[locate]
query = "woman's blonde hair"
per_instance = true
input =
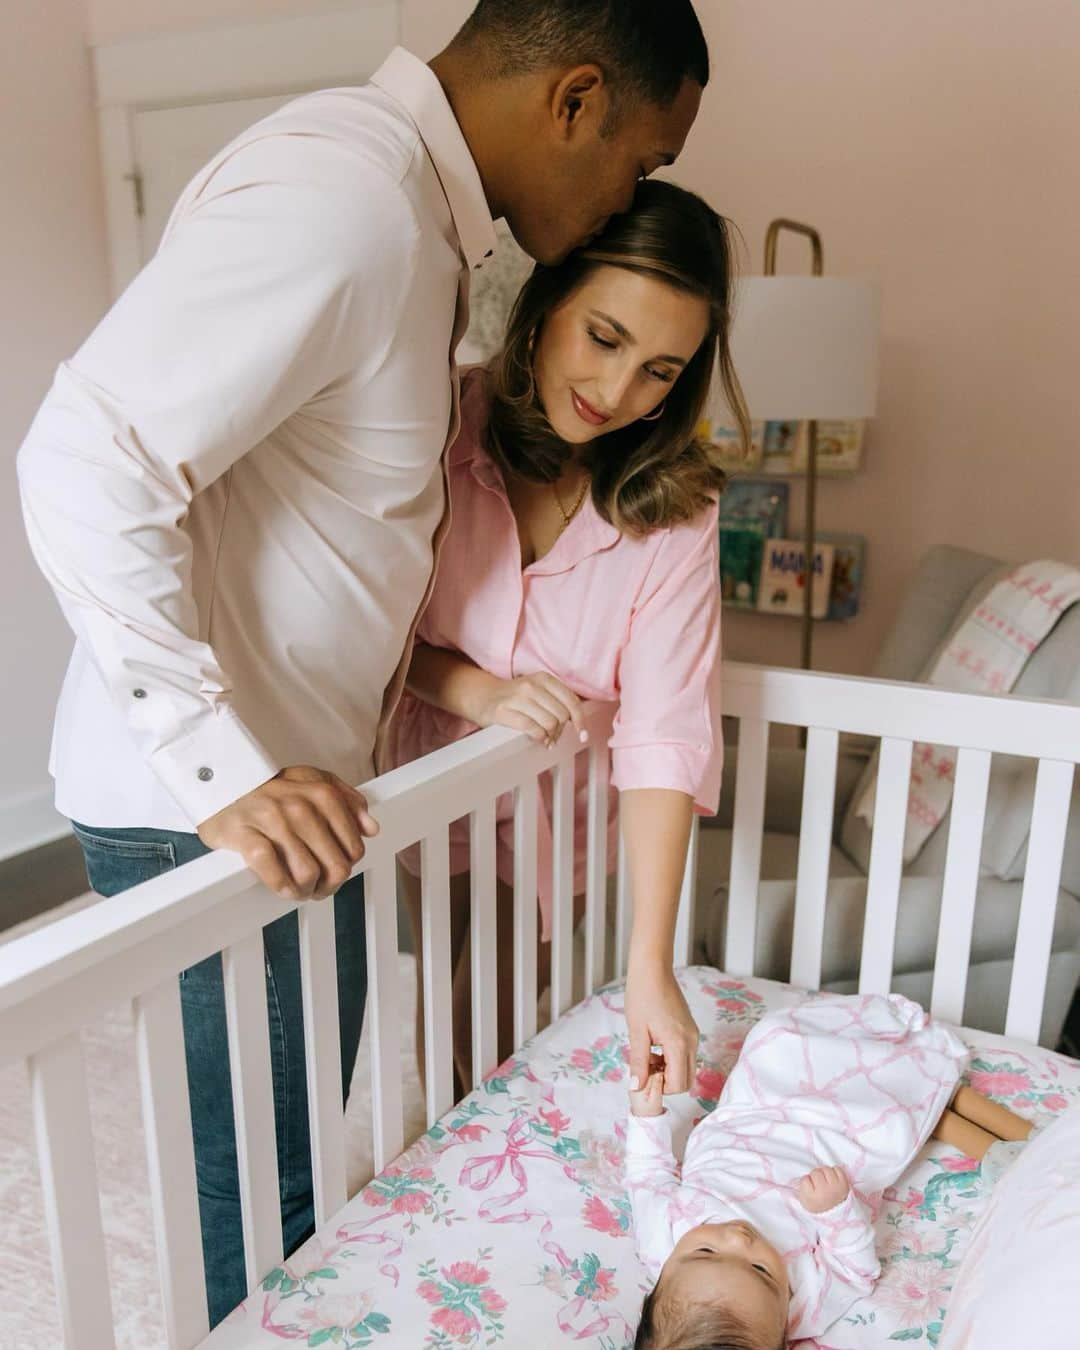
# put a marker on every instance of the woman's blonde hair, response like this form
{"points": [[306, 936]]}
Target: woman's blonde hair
{"points": [[650, 474]]}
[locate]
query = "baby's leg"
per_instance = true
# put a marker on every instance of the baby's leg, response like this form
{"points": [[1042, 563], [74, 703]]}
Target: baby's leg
{"points": [[981, 1111], [962, 1134]]}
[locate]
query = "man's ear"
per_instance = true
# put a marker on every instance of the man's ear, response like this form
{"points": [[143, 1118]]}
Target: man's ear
{"points": [[580, 100]]}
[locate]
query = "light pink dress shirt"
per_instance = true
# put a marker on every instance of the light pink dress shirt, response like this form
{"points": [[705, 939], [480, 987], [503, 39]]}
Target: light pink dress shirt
{"points": [[615, 617], [236, 487]]}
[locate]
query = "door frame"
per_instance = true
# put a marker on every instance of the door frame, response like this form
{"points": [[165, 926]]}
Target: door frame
{"points": [[211, 65]]}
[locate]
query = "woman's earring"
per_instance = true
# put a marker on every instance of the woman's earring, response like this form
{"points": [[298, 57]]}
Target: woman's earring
{"points": [[656, 416]]}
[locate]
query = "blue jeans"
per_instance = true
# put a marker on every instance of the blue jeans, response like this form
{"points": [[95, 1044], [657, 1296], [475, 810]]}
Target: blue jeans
{"points": [[119, 859]]}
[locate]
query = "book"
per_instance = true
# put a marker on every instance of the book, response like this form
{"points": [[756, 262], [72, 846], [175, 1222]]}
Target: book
{"points": [[783, 445], [757, 500], [783, 576], [742, 547], [839, 446], [849, 560], [726, 440]]}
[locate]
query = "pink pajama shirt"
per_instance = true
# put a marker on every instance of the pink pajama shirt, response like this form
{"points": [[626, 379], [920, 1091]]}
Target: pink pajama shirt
{"points": [[618, 618]]}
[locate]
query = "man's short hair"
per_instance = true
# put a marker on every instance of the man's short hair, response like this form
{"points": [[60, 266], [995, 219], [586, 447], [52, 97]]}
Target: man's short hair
{"points": [[645, 48]]}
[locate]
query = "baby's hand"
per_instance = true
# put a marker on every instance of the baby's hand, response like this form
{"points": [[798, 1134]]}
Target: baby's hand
{"points": [[650, 1100], [823, 1189]]}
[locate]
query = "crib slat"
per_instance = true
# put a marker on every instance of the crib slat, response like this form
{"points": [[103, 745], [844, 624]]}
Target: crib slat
{"points": [[322, 1055], [886, 866], [159, 1048], [624, 905], [815, 842], [253, 1104], [437, 991], [596, 877], [384, 1010], [485, 953], [65, 1152], [966, 822], [746, 842], [525, 808], [684, 922], [562, 899], [1038, 903]]}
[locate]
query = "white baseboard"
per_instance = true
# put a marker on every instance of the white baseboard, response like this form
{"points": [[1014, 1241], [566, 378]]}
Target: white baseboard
{"points": [[28, 821]]}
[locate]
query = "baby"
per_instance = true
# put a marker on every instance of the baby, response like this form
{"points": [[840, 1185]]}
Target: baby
{"points": [[766, 1234]]}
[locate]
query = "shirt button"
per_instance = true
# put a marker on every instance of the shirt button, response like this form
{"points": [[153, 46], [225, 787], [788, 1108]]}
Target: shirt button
{"points": [[205, 774], [138, 693]]}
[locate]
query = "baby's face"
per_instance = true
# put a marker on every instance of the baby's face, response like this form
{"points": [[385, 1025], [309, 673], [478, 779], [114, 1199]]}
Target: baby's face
{"points": [[731, 1263]]}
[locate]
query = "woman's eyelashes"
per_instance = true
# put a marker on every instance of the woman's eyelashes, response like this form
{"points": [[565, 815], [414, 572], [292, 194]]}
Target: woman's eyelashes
{"points": [[664, 376]]}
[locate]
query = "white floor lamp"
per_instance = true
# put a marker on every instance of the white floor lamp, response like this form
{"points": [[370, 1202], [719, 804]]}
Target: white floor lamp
{"points": [[806, 349]]}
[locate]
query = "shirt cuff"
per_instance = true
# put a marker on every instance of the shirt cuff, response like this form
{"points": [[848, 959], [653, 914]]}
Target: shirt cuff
{"points": [[680, 768], [649, 1136], [845, 1225], [212, 768]]}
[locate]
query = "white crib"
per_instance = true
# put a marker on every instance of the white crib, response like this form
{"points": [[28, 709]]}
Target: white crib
{"points": [[132, 947]]}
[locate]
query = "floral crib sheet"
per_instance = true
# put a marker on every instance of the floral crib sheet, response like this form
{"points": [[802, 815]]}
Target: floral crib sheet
{"points": [[507, 1223]]}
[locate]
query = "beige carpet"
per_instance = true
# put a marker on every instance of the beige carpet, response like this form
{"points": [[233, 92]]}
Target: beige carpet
{"points": [[29, 1319]]}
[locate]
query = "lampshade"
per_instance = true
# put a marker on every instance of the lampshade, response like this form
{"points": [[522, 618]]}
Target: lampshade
{"points": [[806, 347]]}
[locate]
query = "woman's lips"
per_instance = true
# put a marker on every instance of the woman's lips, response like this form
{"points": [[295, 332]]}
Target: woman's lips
{"points": [[587, 412]]}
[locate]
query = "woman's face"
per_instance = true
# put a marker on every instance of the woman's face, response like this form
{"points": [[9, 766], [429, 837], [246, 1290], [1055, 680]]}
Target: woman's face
{"points": [[610, 353]]}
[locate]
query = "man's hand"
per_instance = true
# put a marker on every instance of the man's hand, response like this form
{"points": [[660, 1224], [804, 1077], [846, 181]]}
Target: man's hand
{"points": [[823, 1189], [301, 833]]}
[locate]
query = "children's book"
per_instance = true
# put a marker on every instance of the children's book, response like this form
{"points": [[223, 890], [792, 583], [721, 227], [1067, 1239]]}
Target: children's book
{"points": [[849, 562], [742, 545], [783, 446], [757, 500], [726, 440], [783, 576]]}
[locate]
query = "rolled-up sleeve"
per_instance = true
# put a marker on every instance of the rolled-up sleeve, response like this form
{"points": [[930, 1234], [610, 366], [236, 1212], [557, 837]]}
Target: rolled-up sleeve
{"points": [[667, 731], [261, 296]]}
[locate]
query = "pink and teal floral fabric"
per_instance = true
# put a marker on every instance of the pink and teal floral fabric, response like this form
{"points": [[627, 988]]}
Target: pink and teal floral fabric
{"points": [[508, 1224]]}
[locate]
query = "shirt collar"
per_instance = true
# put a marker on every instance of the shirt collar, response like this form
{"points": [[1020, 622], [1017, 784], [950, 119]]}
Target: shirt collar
{"points": [[414, 85]]}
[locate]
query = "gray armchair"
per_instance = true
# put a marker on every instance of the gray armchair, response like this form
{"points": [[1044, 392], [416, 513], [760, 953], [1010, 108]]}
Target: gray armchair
{"points": [[946, 586]]}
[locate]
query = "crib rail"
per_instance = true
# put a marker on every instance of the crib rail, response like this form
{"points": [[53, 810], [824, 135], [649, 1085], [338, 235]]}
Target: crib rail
{"points": [[132, 947], [56, 981], [900, 714]]}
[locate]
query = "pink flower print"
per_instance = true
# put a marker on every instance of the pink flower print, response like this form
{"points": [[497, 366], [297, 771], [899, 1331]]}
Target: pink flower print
{"points": [[582, 1059], [409, 1202], [421, 1174], [605, 1286], [732, 1005], [600, 1218], [999, 1082], [1054, 1101], [459, 1325], [960, 1164], [375, 1197], [554, 1281], [918, 1291], [555, 1120], [471, 1134], [613, 1076], [601, 1167], [429, 1291], [467, 1272], [309, 1260], [709, 1084], [331, 1311], [493, 1303]]}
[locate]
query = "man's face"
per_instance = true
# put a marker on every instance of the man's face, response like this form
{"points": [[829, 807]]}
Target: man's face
{"points": [[575, 178]]}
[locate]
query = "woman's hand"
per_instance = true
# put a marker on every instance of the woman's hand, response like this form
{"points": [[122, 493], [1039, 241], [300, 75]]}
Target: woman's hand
{"points": [[657, 1014], [539, 705]]}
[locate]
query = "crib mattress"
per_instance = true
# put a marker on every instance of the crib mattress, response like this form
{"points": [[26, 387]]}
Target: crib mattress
{"points": [[507, 1223]]}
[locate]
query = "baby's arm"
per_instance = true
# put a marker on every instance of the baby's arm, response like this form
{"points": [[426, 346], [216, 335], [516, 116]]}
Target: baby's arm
{"points": [[652, 1173], [845, 1234]]}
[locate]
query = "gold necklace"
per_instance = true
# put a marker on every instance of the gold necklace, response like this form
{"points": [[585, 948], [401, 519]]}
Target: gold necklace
{"points": [[568, 516]]}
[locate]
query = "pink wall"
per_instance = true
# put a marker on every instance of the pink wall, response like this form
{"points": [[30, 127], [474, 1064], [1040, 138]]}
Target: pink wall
{"points": [[934, 146], [53, 283]]}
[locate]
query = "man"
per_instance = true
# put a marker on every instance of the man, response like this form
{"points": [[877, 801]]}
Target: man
{"points": [[235, 486]]}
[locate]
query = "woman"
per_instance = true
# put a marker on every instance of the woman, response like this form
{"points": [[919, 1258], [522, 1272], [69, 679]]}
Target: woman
{"points": [[582, 563]]}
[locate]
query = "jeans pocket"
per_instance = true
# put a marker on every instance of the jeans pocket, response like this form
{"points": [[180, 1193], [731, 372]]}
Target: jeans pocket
{"points": [[115, 863]]}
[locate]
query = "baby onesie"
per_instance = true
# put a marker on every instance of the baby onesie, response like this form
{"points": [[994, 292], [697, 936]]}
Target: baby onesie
{"points": [[835, 1081]]}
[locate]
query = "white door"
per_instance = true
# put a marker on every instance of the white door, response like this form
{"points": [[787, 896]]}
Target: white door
{"points": [[172, 145]]}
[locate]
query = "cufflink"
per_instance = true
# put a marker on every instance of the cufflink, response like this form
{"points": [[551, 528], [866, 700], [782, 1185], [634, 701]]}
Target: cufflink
{"points": [[205, 774]]}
